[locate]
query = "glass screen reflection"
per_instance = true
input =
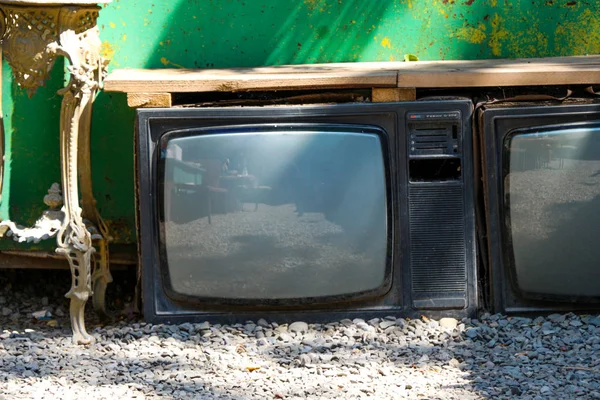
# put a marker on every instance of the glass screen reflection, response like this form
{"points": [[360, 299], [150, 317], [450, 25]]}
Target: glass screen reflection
{"points": [[275, 215], [552, 194]]}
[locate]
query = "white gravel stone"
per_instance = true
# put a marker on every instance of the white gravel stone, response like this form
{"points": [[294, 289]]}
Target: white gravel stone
{"points": [[448, 323], [298, 327]]}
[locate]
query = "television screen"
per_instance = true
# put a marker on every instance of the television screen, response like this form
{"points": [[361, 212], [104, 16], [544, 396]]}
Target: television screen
{"points": [[552, 201], [274, 213]]}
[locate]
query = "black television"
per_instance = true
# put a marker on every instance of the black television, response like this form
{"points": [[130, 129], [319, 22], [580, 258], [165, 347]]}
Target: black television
{"points": [[307, 212], [542, 189]]}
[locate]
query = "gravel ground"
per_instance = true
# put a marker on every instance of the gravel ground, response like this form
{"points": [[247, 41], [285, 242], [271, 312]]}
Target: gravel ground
{"points": [[556, 357]]}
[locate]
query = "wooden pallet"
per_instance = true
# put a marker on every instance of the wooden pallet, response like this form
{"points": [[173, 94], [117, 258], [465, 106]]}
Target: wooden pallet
{"points": [[389, 81]]}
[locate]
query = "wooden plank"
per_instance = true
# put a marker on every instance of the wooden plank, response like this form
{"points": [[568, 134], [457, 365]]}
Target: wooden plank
{"points": [[492, 73], [321, 76], [386, 95], [422, 74], [149, 100]]}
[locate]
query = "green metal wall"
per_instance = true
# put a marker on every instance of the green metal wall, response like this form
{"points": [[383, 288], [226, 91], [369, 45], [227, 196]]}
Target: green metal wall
{"points": [[245, 33]]}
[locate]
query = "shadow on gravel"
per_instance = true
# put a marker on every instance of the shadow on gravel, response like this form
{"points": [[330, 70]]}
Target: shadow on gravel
{"points": [[495, 357], [92, 373]]}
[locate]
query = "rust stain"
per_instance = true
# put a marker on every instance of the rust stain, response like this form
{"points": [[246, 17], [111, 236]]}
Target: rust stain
{"points": [[120, 230], [311, 5]]}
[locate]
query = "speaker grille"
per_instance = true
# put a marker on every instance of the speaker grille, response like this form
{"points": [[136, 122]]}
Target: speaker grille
{"points": [[437, 238]]}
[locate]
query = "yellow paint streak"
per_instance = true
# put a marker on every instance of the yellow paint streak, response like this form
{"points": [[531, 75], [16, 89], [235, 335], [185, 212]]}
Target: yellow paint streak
{"points": [[472, 35], [112, 25], [498, 36], [166, 63], [124, 37], [493, 3], [386, 43], [409, 3], [580, 36], [107, 51]]}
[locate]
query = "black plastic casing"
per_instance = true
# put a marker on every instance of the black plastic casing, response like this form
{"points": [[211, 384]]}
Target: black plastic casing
{"points": [[495, 124], [431, 224]]}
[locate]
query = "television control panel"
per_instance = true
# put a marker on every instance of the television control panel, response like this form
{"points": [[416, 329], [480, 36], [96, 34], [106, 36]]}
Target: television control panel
{"points": [[434, 134]]}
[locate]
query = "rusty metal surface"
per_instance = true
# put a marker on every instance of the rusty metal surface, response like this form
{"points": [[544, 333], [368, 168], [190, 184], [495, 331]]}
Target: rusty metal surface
{"points": [[228, 33]]}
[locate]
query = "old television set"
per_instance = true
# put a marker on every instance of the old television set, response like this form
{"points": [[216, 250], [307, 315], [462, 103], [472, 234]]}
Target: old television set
{"points": [[542, 180], [314, 212]]}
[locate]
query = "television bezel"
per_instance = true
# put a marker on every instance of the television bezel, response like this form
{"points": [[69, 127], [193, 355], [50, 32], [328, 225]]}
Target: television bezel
{"points": [[497, 125], [302, 128]]}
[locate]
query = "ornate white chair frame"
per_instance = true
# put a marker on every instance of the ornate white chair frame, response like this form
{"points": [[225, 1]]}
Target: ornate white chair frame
{"points": [[34, 34]]}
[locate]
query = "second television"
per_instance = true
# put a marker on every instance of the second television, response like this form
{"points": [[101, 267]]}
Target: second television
{"points": [[542, 174]]}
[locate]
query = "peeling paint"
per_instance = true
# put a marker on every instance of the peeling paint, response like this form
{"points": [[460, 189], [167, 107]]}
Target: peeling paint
{"points": [[471, 34], [498, 36], [581, 36]]}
